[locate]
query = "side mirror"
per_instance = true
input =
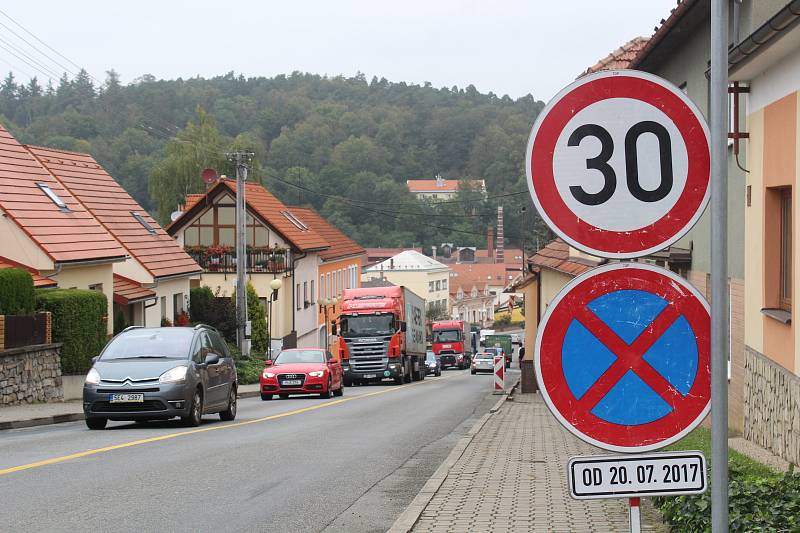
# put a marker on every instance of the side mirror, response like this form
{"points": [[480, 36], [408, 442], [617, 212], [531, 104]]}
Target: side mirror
{"points": [[268, 362], [212, 358], [95, 358], [333, 327]]}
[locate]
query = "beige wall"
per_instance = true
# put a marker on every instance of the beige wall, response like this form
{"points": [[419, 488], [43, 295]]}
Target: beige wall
{"points": [[82, 276], [15, 244], [417, 281]]}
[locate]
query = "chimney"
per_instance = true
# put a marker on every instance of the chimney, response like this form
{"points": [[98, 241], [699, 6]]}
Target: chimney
{"points": [[439, 180], [433, 249], [500, 256], [391, 263], [490, 242]]}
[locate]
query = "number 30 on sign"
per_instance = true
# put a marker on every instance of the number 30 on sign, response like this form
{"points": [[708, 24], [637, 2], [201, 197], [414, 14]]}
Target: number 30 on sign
{"points": [[618, 164]]}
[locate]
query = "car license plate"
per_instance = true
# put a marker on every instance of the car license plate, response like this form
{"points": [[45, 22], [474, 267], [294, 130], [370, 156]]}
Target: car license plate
{"points": [[291, 382], [125, 398], [370, 376]]}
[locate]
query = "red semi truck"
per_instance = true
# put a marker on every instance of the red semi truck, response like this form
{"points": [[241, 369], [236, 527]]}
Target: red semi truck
{"points": [[381, 335], [452, 343]]}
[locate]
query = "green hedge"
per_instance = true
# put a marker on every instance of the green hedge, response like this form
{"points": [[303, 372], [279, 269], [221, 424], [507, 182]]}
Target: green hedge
{"points": [[16, 292], [78, 321]]}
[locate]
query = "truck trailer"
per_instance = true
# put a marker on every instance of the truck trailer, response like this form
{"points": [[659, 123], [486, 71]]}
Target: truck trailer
{"points": [[381, 334]]}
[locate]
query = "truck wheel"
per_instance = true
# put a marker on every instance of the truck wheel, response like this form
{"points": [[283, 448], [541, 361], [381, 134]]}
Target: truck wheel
{"points": [[347, 382]]}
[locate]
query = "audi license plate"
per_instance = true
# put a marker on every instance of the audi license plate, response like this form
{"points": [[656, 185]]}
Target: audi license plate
{"points": [[370, 376], [125, 398], [291, 382]]}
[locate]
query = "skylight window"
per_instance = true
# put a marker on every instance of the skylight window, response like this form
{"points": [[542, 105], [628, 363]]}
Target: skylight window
{"points": [[150, 229], [294, 220], [53, 196]]}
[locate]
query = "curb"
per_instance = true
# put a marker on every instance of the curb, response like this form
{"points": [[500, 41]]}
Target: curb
{"points": [[74, 417], [408, 518]]}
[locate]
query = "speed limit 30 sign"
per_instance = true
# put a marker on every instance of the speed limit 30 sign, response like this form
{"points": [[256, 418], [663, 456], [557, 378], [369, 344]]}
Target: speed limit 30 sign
{"points": [[618, 164]]}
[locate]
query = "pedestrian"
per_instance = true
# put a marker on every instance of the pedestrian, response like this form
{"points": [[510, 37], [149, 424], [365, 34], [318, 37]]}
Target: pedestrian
{"points": [[521, 355]]}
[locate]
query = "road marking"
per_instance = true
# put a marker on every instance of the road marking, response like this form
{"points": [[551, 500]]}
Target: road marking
{"points": [[139, 442]]}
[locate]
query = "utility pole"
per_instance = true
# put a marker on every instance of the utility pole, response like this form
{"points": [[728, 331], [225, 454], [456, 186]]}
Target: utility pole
{"points": [[241, 161], [719, 266]]}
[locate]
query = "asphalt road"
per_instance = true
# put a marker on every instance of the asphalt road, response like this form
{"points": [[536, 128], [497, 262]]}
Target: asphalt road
{"points": [[350, 464]]}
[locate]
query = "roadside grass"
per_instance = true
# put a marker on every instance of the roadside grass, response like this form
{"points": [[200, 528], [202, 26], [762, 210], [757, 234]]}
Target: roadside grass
{"points": [[760, 498]]}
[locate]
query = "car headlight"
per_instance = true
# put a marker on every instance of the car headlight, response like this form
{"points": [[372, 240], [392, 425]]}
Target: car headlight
{"points": [[268, 374], [317, 373], [174, 375], [93, 377]]}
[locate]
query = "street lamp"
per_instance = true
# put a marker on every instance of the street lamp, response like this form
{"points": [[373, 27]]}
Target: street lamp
{"points": [[275, 285]]}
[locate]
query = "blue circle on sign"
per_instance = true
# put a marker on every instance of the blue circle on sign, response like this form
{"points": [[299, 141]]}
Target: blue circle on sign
{"points": [[631, 401]]}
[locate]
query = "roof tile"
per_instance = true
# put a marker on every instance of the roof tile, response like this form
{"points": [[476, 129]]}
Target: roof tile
{"points": [[128, 291], [30, 209], [340, 244], [38, 279], [112, 206]]}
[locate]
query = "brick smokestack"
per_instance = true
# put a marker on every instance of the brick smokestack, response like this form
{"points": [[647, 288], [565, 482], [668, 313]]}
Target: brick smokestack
{"points": [[433, 249], [500, 256], [490, 242]]}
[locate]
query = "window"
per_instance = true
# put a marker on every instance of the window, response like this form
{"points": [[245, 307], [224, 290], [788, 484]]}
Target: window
{"points": [[786, 250], [305, 292], [96, 287], [444, 284], [294, 220], [328, 285], [140, 219], [430, 286], [298, 297], [312, 300], [53, 196], [217, 226], [177, 305], [438, 285], [163, 307]]}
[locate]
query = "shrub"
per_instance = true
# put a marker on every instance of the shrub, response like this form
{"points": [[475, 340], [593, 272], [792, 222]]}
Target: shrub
{"points": [[205, 307], [248, 369], [119, 321], [503, 320], [79, 322], [259, 337], [16, 292]]}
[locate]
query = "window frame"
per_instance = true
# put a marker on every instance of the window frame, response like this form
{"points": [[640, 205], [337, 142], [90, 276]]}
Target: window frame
{"points": [[785, 251]]}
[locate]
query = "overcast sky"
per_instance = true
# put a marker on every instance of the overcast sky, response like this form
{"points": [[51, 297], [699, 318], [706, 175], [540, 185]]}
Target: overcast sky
{"points": [[512, 47]]}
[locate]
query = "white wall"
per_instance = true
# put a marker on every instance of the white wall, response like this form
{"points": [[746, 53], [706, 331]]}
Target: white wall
{"points": [[305, 318], [166, 290]]}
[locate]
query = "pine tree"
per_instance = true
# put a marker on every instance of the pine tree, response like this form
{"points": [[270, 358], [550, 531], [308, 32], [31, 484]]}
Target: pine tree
{"points": [[259, 337]]}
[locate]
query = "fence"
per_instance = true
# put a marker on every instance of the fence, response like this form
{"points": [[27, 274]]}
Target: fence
{"points": [[24, 330]]}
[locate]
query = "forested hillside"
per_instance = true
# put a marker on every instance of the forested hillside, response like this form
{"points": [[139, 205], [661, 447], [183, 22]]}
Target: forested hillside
{"points": [[344, 145]]}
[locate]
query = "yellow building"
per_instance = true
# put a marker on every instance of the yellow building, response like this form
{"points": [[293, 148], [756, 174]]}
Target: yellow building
{"points": [[425, 277]]}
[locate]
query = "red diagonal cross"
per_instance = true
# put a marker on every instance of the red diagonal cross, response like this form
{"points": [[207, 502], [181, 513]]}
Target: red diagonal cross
{"points": [[629, 356]]}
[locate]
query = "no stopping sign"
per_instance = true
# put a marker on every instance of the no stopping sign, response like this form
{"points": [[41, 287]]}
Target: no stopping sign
{"points": [[618, 164]]}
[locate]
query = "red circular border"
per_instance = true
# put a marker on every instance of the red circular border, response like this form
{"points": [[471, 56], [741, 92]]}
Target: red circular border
{"points": [[660, 231], [554, 381]]}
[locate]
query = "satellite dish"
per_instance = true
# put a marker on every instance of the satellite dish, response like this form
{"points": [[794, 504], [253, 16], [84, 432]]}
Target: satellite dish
{"points": [[209, 175], [174, 216]]}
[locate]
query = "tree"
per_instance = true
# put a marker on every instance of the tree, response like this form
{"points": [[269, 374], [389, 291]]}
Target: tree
{"points": [[436, 311], [259, 337], [194, 148]]}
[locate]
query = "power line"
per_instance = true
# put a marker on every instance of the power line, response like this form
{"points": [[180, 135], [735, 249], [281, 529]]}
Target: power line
{"points": [[32, 59], [26, 61]]}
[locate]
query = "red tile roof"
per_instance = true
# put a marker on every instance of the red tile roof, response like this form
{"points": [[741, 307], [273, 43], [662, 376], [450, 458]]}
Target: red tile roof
{"points": [[110, 204], [263, 204], [192, 199], [480, 274], [619, 58], [662, 30], [64, 236], [38, 280], [416, 186], [340, 244], [128, 291], [555, 256]]}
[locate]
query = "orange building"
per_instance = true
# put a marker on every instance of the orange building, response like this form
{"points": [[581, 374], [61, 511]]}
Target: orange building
{"points": [[339, 268]]}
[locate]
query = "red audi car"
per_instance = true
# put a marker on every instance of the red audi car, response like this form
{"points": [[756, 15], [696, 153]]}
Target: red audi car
{"points": [[302, 371]]}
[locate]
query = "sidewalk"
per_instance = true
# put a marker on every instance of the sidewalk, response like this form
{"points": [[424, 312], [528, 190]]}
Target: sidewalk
{"points": [[512, 477], [39, 414]]}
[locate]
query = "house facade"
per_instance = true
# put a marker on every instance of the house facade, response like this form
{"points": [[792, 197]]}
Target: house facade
{"points": [[339, 268], [767, 62], [48, 230], [280, 245], [426, 277], [151, 286], [473, 303], [440, 189]]}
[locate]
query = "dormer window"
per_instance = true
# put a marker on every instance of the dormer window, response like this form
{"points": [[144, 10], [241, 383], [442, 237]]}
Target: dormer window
{"points": [[150, 229], [53, 196], [294, 220]]}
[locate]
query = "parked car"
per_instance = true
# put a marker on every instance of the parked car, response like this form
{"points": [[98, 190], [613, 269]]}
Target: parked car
{"points": [[501, 352], [483, 362], [160, 373], [302, 371], [432, 364]]}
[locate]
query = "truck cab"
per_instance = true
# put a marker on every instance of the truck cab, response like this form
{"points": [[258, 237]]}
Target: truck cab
{"points": [[451, 342]]}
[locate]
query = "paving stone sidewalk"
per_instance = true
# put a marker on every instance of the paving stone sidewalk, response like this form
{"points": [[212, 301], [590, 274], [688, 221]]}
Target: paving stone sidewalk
{"points": [[512, 477]]}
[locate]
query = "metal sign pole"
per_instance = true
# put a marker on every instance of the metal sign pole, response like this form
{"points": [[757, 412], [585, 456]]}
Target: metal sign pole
{"points": [[636, 518], [719, 266]]}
